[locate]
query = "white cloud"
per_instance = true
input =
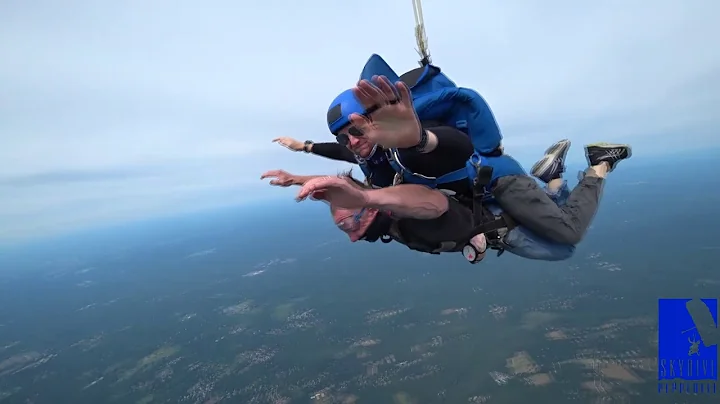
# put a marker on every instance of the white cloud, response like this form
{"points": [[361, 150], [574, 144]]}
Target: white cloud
{"points": [[171, 106]]}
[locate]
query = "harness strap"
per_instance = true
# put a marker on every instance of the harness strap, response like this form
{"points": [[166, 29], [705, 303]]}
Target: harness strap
{"points": [[489, 224], [366, 170], [485, 222], [490, 228], [465, 173]]}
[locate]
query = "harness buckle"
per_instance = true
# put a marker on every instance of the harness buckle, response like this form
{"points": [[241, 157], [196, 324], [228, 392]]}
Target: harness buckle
{"points": [[483, 177]]}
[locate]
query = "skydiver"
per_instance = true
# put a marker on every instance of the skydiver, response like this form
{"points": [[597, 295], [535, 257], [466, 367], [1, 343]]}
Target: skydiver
{"points": [[444, 149], [518, 239], [425, 219], [390, 121]]}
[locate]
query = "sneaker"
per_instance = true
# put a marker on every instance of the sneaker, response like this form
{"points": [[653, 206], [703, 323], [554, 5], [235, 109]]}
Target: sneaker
{"points": [[552, 165], [608, 153]]}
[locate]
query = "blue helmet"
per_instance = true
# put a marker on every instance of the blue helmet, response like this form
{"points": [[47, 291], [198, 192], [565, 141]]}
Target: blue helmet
{"points": [[343, 105]]}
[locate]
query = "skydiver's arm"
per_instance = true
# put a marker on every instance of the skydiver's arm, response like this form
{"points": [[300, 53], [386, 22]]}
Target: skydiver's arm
{"points": [[333, 151], [283, 178], [432, 142], [449, 152], [446, 140], [449, 141], [302, 179], [409, 201]]}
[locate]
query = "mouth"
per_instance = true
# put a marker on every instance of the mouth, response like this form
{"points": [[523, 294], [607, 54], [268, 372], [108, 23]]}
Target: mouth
{"points": [[362, 150]]}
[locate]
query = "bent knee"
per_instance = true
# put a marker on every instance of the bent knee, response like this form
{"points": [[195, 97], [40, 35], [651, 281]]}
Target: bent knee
{"points": [[562, 255], [564, 235], [555, 252]]}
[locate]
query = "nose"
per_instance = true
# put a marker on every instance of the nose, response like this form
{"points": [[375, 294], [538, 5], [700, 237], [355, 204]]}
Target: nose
{"points": [[354, 141]]}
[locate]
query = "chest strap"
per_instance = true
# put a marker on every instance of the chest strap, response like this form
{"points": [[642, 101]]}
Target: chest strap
{"points": [[410, 177]]}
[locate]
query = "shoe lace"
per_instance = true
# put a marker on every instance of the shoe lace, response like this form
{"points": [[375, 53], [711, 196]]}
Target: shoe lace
{"points": [[615, 153]]}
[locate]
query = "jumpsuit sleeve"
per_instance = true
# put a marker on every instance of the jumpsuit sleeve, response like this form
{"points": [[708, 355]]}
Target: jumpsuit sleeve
{"points": [[453, 150], [334, 151], [452, 145]]}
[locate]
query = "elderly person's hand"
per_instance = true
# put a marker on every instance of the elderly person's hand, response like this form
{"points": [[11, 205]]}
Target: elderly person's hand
{"points": [[340, 192], [280, 178]]}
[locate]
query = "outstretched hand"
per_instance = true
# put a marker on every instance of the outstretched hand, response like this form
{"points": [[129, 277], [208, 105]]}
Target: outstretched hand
{"points": [[289, 143], [281, 178], [339, 192], [394, 123]]}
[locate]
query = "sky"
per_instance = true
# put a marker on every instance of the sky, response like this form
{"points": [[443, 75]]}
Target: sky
{"points": [[121, 110]]}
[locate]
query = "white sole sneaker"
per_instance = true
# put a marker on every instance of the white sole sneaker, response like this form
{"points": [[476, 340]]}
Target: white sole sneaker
{"points": [[557, 145], [550, 154]]}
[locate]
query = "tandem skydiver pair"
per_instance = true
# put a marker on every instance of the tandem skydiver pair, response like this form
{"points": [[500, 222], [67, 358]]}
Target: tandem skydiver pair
{"points": [[437, 177]]}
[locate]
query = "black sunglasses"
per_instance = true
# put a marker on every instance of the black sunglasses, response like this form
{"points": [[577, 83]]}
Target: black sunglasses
{"points": [[344, 139]]}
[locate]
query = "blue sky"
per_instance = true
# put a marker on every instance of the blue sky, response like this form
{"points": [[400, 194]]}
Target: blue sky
{"points": [[112, 111]]}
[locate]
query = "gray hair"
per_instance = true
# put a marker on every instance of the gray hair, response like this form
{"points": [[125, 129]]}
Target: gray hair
{"points": [[347, 174]]}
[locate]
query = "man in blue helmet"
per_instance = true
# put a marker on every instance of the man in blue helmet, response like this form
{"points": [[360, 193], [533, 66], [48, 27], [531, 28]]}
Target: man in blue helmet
{"points": [[446, 152], [382, 113], [427, 149]]}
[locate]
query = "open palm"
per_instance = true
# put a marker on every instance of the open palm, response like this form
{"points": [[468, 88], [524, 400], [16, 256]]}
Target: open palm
{"points": [[393, 123]]}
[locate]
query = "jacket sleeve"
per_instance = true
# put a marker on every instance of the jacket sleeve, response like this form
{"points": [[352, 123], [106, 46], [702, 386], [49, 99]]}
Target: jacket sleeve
{"points": [[452, 144], [334, 151], [451, 153]]}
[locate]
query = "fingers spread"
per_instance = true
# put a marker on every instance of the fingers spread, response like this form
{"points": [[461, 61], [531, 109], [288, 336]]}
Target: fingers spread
{"points": [[388, 90], [404, 91], [360, 122], [362, 95], [377, 97], [370, 88], [366, 99]]}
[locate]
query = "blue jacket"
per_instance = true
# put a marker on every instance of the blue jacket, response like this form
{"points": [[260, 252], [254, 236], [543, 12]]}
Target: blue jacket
{"points": [[437, 98]]}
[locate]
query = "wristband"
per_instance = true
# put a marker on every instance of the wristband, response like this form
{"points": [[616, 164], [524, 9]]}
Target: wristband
{"points": [[423, 141], [306, 145]]}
